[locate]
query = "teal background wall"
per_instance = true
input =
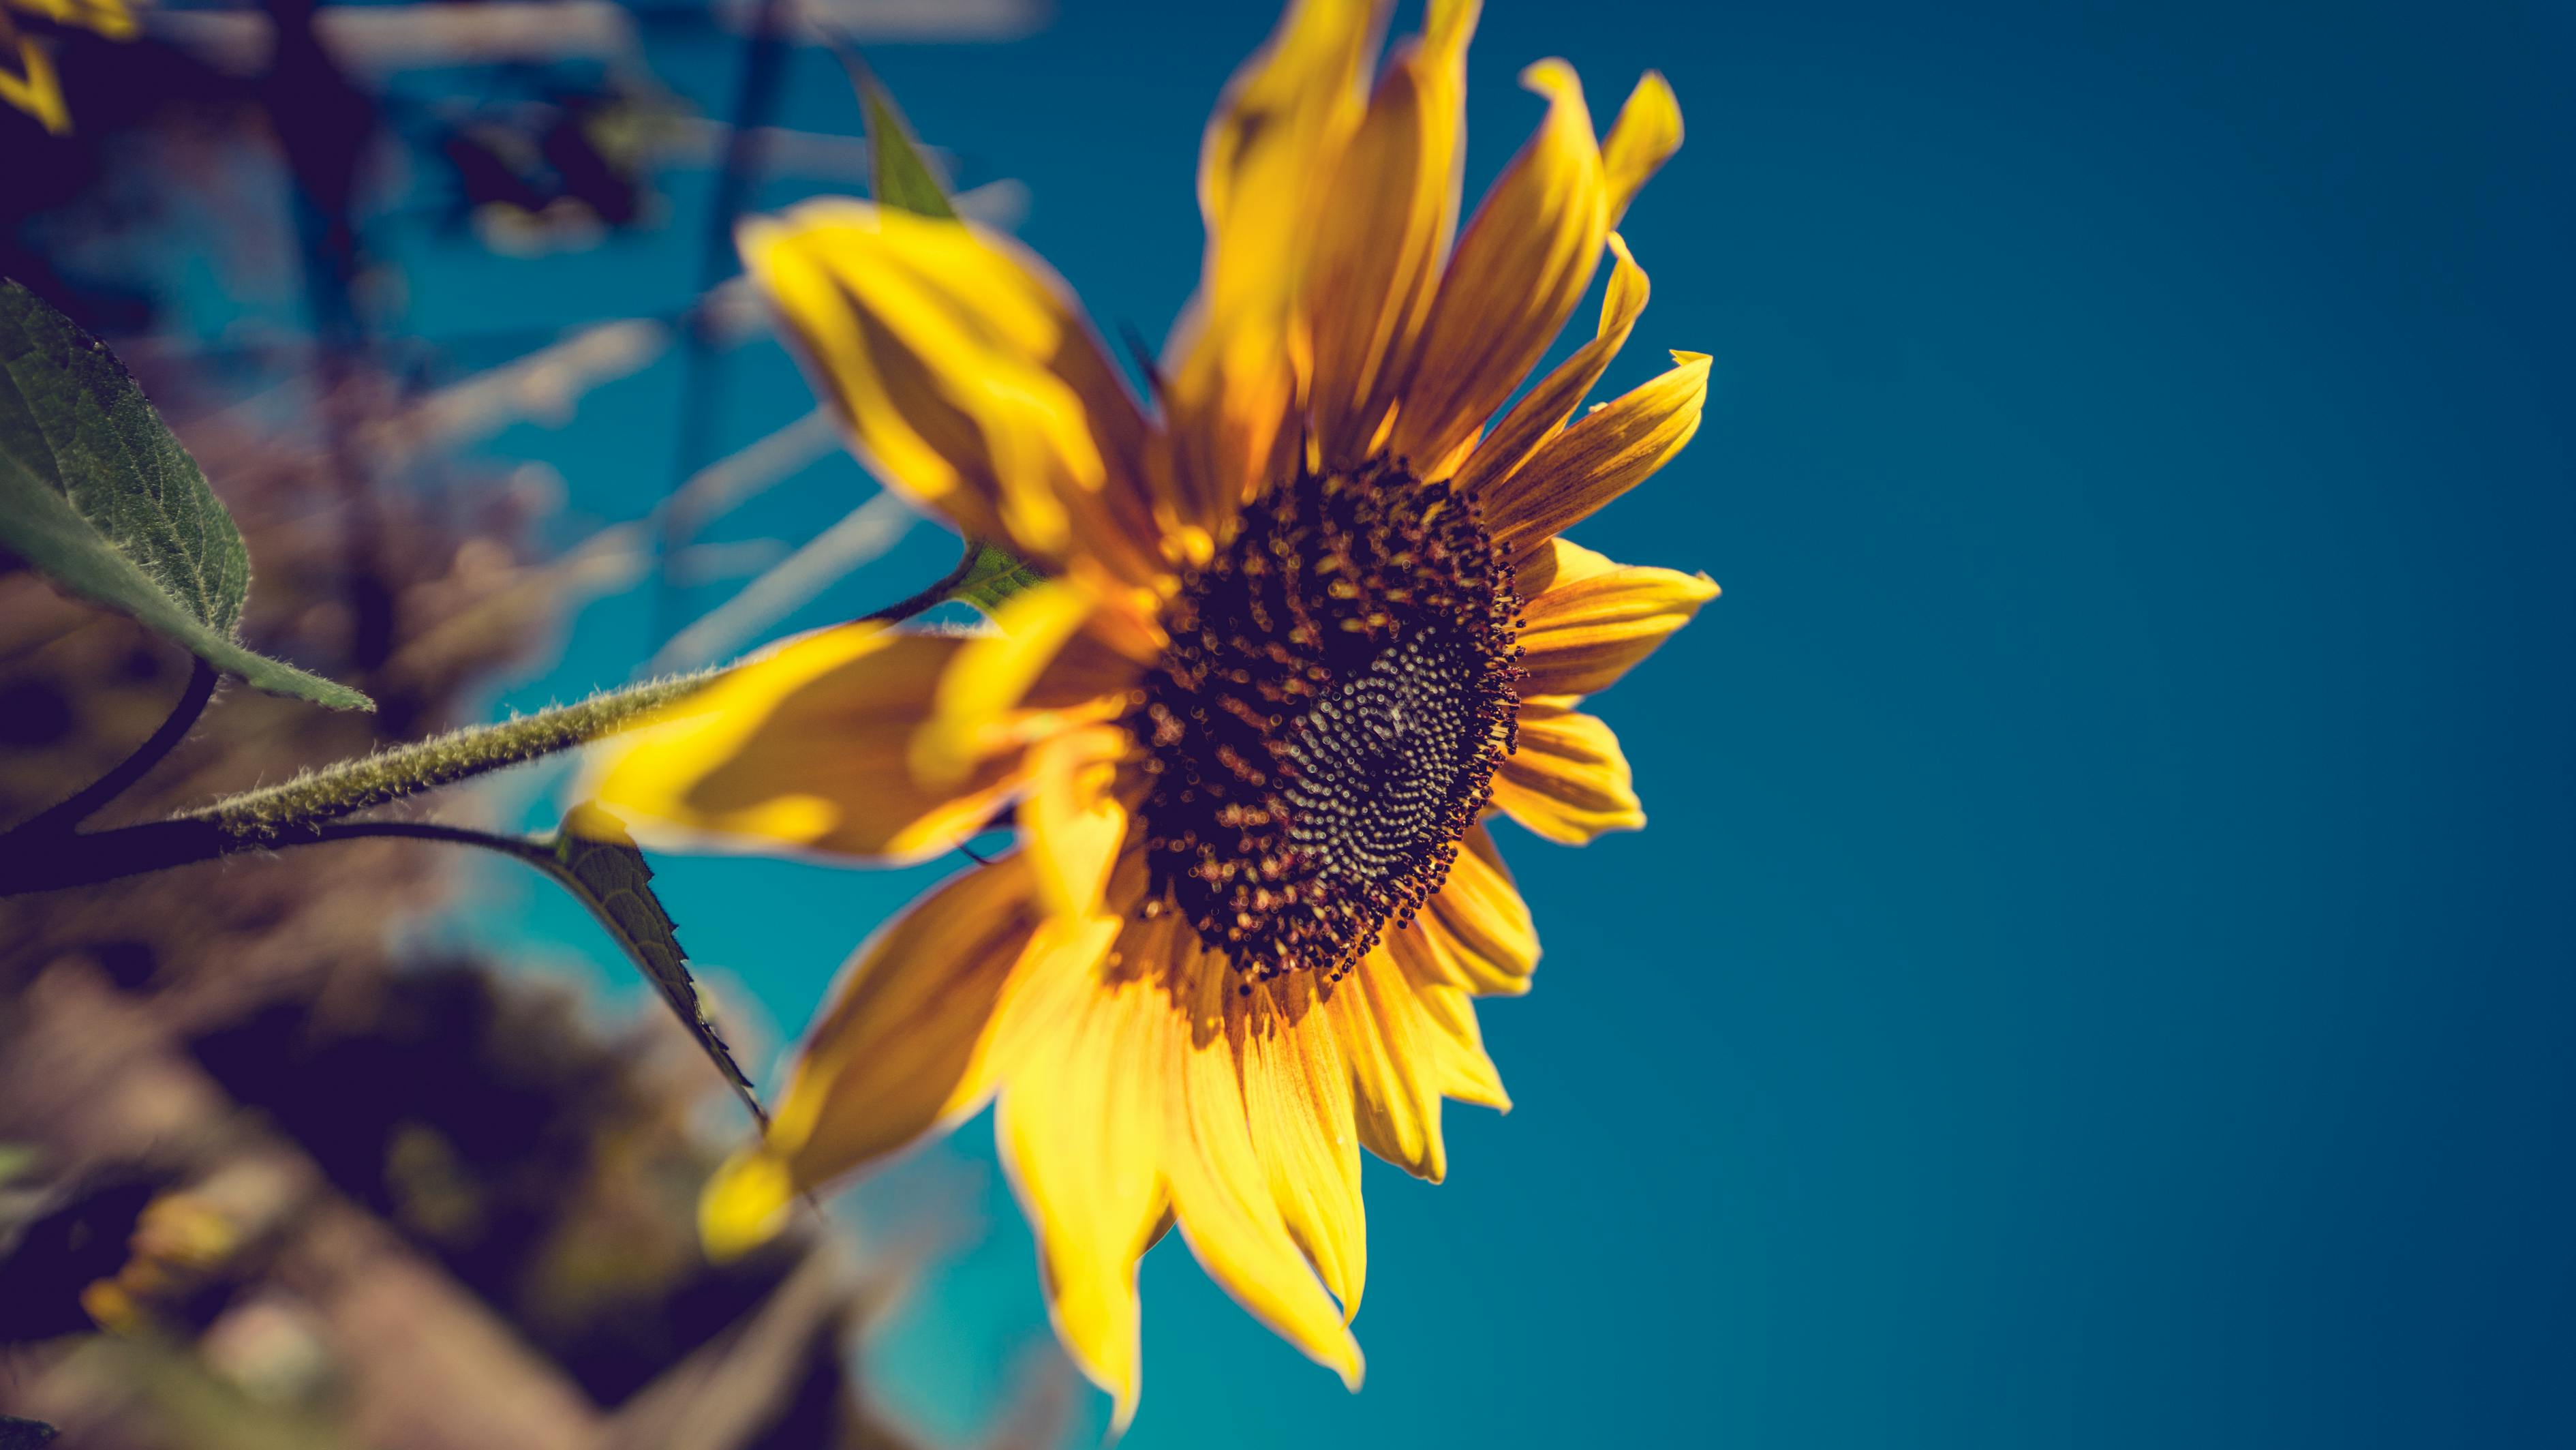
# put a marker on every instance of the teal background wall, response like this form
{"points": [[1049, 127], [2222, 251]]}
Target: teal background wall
{"points": [[2099, 972]]}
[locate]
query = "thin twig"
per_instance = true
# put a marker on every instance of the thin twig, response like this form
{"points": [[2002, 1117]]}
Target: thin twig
{"points": [[930, 598], [183, 718]]}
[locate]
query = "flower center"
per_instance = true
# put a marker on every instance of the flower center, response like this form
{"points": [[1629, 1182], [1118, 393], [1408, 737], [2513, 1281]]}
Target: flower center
{"points": [[1326, 722]]}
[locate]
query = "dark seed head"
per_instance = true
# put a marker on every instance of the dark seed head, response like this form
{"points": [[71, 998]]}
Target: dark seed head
{"points": [[1325, 725]]}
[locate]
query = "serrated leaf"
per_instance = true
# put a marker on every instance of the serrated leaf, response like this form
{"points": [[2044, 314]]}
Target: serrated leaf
{"points": [[996, 575], [98, 495], [17, 1434], [897, 172], [594, 857]]}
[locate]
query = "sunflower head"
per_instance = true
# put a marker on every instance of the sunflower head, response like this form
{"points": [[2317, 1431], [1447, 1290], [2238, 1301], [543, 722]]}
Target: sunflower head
{"points": [[1308, 622], [1325, 723]]}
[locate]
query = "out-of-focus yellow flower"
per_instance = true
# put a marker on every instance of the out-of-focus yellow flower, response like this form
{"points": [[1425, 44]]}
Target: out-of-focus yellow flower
{"points": [[1306, 624], [34, 87]]}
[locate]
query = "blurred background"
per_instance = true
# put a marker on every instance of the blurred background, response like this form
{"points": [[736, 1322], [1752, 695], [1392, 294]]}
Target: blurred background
{"points": [[2099, 973]]}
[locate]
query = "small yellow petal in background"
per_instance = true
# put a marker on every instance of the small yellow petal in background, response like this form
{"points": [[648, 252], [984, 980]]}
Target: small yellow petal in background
{"points": [[1541, 413], [1567, 781], [1582, 636], [1264, 172], [1647, 133], [1602, 455], [805, 746], [1073, 821], [35, 89], [1379, 243], [966, 375], [1520, 268]]}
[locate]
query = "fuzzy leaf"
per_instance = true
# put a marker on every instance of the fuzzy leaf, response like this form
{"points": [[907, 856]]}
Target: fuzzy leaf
{"points": [[897, 172], [97, 495], [594, 857]]}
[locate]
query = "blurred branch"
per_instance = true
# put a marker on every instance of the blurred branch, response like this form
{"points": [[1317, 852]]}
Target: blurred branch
{"points": [[726, 483], [865, 533]]}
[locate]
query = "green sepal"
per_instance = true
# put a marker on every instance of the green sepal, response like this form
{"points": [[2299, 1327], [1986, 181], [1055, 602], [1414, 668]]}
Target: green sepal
{"points": [[98, 495], [899, 175], [995, 575]]}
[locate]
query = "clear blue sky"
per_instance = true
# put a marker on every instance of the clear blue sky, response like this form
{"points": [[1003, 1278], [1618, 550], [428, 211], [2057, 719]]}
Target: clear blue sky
{"points": [[2098, 973]]}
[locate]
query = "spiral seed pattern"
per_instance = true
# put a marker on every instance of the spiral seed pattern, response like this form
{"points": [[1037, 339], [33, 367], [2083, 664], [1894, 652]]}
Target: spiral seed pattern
{"points": [[1325, 725]]}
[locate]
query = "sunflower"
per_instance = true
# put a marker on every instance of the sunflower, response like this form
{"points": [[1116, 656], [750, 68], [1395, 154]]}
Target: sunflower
{"points": [[1304, 626]]}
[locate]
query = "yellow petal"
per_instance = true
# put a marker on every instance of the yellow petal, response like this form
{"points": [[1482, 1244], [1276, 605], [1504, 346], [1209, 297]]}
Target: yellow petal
{"points": [[1264, 174], [1604, 454], [1378, 246], [903, 1049], [1478, 930], [1583, 635], [966, 375], [1082, 1128], [1647, 133], [1559, 560], [1567, 781], [1073, 820], [1297, 1097], [1221, 1192], [1541, 413], [976, 711], [804, 746], [1520, 268], [35, 90]]}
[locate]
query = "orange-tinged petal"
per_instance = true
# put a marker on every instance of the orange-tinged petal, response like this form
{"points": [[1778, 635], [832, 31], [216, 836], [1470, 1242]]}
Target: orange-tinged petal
{"points": [[1541, 413], [1379, 245], [1073, 820], [1558, 561], [1478, 929], [966, 375], [1602, 455], [1568, 780], [1264, 173], [1082, 1126], [1297, 1097], [1395, 1089], [804, 747], [1221, 1192], [1582, 636], [1520, 268], [903, 1049], [1647, 133]]}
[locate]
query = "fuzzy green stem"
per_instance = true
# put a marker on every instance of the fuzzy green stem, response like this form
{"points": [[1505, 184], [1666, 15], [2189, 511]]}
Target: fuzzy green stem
{"points": [[389, 775]]}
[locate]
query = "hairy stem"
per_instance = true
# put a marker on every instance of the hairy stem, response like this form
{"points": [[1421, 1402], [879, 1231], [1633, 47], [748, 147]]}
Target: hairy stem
{"points": [[389, 775]]}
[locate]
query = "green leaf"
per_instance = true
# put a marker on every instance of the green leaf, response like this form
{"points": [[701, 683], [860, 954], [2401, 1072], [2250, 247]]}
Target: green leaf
{"points": [[96, 494], [897, 172], [594, 857], [17, 1434], [995, 575]]}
